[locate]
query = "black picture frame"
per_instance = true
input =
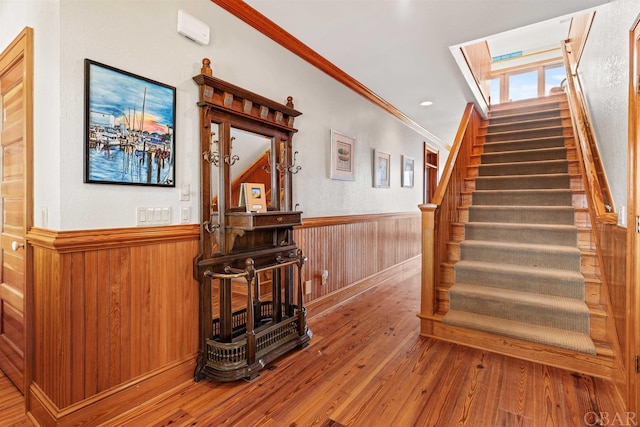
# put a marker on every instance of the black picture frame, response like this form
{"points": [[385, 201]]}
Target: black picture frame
{"points": [[129, 128]]}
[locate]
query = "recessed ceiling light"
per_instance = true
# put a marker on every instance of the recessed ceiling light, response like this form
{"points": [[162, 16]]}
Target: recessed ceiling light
{"points": [[426, 103]]}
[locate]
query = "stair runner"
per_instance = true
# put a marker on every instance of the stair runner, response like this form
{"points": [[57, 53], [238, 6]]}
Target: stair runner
{"points": [[519, 273]]}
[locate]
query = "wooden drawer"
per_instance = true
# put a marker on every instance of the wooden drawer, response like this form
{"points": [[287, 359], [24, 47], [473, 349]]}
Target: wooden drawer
{"points": [[261, 220]]}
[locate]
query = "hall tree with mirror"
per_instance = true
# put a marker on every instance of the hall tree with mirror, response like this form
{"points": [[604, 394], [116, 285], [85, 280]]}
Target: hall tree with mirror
{"points": [[249, 268]]}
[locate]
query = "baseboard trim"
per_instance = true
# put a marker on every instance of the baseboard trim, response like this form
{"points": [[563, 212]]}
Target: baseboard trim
{"points": [[103, 407]]}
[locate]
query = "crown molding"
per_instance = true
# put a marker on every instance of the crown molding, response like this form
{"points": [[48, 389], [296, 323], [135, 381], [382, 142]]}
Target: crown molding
{"points": [[255, 19]]}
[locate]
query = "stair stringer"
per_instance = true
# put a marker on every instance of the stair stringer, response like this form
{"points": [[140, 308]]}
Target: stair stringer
{"points": [[603, 363]]}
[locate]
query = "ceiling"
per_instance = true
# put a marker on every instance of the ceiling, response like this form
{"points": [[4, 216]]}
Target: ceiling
{"points": [[400, 49]]}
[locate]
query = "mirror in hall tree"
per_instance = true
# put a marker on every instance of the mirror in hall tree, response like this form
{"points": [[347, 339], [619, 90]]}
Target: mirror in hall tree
{"points": [[253, 164]]}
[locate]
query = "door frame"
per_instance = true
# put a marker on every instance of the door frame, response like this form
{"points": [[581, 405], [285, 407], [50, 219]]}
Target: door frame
{"points": [[633, 210], [22, 48], [429, 172]]}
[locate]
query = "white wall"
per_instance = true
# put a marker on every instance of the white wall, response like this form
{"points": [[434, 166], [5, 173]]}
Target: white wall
{"points": [[43, 16], [140, 37], [604, 72]]}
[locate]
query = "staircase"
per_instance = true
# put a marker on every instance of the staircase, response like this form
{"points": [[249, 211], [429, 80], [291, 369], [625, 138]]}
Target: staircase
{"points": [[522, 261]]}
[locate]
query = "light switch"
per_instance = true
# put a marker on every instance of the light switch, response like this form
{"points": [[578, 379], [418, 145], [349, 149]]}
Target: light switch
{"points": [[185, 192], [185, 215], [166, 215]]}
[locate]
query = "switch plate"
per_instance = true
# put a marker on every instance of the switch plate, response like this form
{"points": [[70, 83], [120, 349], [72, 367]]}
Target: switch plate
{"points": [[185, 215], [153, 216], [142, 215], [185, 193], [166, 216], [307, 287], [45, 217]]}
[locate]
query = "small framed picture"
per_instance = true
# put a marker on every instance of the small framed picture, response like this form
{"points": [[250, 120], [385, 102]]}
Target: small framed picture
{"points": [[252, 197], [342, 156], [381, 169], [407, 171]]}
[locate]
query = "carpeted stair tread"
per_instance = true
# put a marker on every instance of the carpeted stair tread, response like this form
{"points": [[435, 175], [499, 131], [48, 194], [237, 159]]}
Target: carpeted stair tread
{"points": [[531, 123], [523, 107], [562, 283], [517, 156], [525, 133], [522, 214], [550, 234], [525, 168], [544, 335], [527, 254], [545, 310], [522, 182], [529, 197], [522, 116], [524, 144]]}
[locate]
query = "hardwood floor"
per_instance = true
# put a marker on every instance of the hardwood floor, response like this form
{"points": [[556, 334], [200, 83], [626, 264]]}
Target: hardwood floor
{"points": [[11, 405], [367, 366]]}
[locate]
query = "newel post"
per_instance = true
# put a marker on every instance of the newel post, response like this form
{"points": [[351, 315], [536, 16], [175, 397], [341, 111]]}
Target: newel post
{"points": [[428, 292]]}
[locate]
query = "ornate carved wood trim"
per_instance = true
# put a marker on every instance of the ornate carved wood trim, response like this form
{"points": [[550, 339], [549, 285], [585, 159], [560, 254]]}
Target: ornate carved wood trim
{"points": [[227, 97]]}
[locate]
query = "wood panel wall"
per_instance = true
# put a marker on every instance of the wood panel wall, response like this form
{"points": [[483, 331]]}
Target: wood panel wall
{"points": [[115, 312], [478, 58], [352, 248], [613, 244], [109, 307], [578, 33]]}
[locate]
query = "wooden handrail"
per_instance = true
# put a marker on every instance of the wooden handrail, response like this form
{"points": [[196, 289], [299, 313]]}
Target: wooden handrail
{"points": [[439, 215], [453, 154], [592, 170], [599, 202]]}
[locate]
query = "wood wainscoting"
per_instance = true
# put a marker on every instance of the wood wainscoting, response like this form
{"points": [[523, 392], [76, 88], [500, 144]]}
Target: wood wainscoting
{"points": [[355, 247], [613, 244], [115, 311], [115, 319]]}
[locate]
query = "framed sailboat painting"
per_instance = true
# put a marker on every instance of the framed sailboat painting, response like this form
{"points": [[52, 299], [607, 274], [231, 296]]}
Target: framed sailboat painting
{"points": [[129, 128]]}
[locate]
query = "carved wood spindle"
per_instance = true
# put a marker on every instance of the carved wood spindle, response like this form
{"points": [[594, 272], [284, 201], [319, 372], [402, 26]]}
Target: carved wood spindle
{"points": [[206, 67]]}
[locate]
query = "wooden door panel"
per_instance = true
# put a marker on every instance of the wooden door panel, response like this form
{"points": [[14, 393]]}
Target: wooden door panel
{"points": [[12, 166], [13, 216], [12, 336], [12, 76], [13, 329], [11, 189], [13, 225], [13, 127], [13, 265]]}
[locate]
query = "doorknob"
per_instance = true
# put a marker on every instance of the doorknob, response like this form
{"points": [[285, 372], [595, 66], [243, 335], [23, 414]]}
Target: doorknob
{"points": [[15, 245]]}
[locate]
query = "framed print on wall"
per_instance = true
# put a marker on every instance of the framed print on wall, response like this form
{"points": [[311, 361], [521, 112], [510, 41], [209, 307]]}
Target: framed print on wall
{"points": [[407, 171], [381, 169], [342, 156], [129, 128]]}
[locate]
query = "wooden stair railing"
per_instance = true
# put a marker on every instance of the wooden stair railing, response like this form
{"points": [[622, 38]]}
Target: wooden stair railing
{"points": [[597, 186], [599, 204], [442, 211]]}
